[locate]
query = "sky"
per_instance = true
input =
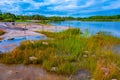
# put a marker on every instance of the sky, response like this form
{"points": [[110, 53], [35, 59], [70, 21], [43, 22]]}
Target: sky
{"points": [[75, 8]]}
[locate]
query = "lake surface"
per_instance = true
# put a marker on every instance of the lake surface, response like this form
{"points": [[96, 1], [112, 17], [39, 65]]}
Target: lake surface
{"points": [[8, 45], [93, 27]]}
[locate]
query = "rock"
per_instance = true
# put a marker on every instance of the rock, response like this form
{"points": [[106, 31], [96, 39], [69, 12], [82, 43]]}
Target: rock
{"points": [[53, 68], [32, 42], [10, 38], [80, 75], [86, 51], [89, 77], [32, 58], [113, 79], [85, 56], [45, 43], [93, 55]]}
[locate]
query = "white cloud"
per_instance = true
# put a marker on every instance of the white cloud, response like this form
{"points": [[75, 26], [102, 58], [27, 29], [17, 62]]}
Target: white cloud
{"points": [[69, 6], [87, 4], [112, 5], [72, 5]]}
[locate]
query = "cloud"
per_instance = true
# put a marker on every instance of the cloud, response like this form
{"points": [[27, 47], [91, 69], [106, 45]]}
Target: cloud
{"points": [[60, 7], [112, 5]]}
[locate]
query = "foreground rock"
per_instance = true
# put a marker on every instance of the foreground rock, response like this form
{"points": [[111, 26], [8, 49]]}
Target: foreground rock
{"points": [[32, 72], [21, 72]]}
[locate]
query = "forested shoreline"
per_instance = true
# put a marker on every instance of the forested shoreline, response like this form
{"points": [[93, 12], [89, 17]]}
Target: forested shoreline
{"points": [[9, 17]]}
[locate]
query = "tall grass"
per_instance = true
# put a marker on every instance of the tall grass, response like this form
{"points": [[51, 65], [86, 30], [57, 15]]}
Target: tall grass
{"points": [[68, 51]]}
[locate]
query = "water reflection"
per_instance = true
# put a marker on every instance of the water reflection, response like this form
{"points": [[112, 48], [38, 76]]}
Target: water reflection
{"points": [[9, 44]]}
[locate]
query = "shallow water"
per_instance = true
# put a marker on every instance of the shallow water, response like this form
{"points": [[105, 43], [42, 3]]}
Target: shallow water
{"points": [[8, 45], [93, 27]]}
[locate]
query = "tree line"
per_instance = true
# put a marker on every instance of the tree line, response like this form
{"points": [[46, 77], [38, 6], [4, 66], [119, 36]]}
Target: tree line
{"points": [[9, 17], [12, 17], [101, 18]]}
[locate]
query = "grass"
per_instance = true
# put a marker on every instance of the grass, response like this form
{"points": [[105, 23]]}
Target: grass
{"points": [[2, 32], [68, 51]]}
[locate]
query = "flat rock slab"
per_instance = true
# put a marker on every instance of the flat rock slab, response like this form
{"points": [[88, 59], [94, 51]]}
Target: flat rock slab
{"points": [[32, 72], [22, 72]]}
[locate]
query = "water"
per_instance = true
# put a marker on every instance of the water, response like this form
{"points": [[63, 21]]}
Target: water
{"points": [[93, 27], [8, 45]]}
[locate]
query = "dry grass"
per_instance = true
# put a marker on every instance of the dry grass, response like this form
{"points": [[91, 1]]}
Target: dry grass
{"points": [[2, 32]]}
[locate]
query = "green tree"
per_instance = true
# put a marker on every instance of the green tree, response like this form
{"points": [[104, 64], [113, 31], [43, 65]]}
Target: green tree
{"points": [[9, 17]]}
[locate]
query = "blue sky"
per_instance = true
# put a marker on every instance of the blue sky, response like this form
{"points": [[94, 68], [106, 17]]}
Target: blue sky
{"points": [[81, 8]]}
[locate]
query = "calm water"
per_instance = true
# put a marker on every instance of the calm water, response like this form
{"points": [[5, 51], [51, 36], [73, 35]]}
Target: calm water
{"points": [[8, 45], [93, 27]]}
